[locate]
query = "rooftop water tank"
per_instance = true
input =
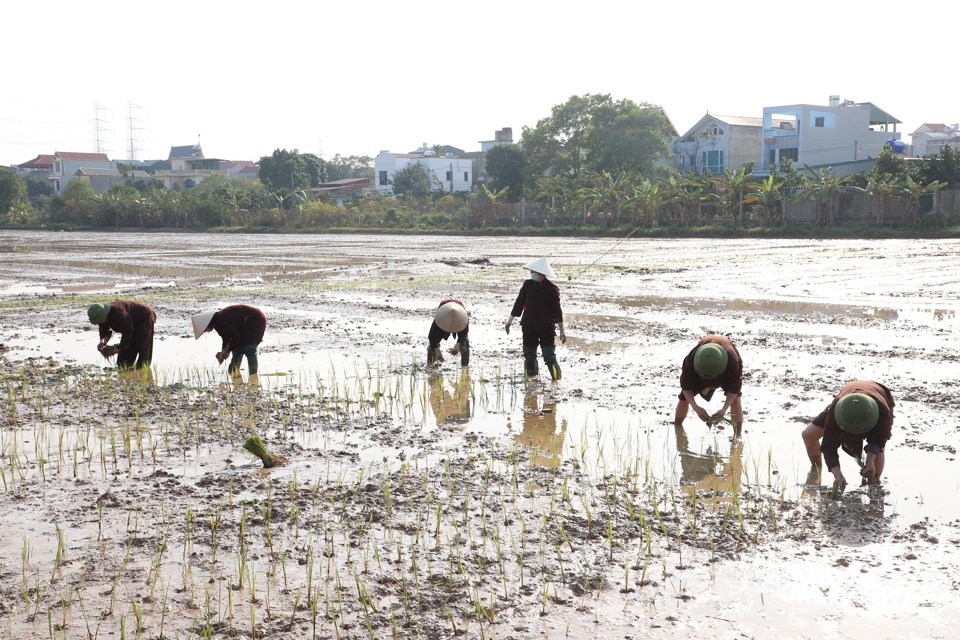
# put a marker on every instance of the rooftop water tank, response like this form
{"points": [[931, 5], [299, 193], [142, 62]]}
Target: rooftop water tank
{"points": [[898, 146]]}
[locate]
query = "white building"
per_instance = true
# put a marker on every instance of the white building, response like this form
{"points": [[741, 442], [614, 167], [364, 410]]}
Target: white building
{"points": [[67, 163], [448, 174], [717, 143], [823, 136], [930, 137]]}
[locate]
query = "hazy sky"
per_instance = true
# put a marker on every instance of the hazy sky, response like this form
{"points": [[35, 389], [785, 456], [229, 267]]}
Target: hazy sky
{"points": [[359, 77]]}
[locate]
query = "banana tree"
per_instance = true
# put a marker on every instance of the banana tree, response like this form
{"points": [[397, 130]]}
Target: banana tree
{"points": [[769, 197], [912, 191], [737, 189], [608, 191], [821, 185]]}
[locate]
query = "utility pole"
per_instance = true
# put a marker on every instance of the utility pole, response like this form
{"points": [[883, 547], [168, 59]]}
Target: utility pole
{"points": [[99, 129], [856, 143], [451, 177], [133, 130]]}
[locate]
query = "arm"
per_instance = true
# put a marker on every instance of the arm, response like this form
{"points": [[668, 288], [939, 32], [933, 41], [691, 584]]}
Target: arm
{"points": [[105, 333], [690, 397], [729, 398]]}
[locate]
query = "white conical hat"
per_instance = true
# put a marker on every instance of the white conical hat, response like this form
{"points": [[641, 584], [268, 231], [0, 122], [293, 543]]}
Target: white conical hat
{"points": [[200, 322], [451, 317], [540, 265]]}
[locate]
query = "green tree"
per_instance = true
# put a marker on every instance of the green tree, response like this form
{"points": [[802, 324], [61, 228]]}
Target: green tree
{"points": [[13, 191], [647, 197], [889, 163], [317, 168], [595, 133], [736, 189], [285, 170], [912, 191], [686, 195], [342, 167], [769, 197], [943, 167], [506, 164], [37, 187], [411, 179], [608, 193], [822, 186]]}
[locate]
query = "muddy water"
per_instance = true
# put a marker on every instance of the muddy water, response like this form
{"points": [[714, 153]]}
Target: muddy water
{"points": [[807, 317]]}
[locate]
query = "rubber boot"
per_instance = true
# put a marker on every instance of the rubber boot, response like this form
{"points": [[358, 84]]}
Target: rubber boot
{"points": [[253, 364], [465, 353], [530, 366], [431, 357], [550, 359]]}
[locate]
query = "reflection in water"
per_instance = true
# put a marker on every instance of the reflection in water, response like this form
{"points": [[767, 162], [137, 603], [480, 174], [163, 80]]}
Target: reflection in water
{"points": [[540, 429], [451, 402], [143, 375], [709, 471]]}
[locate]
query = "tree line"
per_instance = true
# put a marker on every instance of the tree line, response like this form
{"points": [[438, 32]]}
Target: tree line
{"points": [[592, 161]]}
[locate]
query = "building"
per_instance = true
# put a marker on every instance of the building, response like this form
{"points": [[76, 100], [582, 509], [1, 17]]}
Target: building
{"points": [[342, 189], [67, 163], [929, 138], [102, 179], [39, 167], [824, 136], [718, 143], [188, 167], [240, 168], [503, 136], [447, 173]]}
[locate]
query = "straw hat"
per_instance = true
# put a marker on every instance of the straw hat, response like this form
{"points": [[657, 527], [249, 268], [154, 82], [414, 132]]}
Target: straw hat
{"points": [[451, 317], [540, 265], [200, 322]]}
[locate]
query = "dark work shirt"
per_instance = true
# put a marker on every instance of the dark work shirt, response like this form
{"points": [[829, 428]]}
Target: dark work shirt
{"points": [[834, 437], [538, 305], [239, 325], [126, 317], [437, 334], [731, 380]]}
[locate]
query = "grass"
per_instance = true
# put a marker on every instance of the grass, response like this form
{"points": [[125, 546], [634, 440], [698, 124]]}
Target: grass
{"points": [[477, 528]]}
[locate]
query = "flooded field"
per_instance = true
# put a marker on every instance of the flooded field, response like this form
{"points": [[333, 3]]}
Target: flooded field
{"points": [[472, 503]]}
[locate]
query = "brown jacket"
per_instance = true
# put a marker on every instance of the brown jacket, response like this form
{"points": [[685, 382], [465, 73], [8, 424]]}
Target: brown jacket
{"points": [[834, 437], [437, 334], [127, 318], [731, 380], [538, 305], [239, 325]]}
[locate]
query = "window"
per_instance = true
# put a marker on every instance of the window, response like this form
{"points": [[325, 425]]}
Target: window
{"points": [[773, 156], [716, 131], [713, 162], [383, 178], [466, 177], [58, 168], [449, 176], [818, 122], [790, 154]]}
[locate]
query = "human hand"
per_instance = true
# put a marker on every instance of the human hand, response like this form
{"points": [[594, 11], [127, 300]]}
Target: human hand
{"points": [[455, 350], [701, 413], [222, 355], [107, 351], [839, 482], [507, 324], [438, 354], [869, 473]]}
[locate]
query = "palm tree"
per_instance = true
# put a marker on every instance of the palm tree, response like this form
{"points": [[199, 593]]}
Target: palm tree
{"points": [[736, 190], [913, 191], [821, 185], [770, 200], [609, 191], [686, 194], [648, 198]]}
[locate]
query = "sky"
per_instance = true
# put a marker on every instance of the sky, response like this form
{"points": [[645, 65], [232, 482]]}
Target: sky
{"points": [[355, 78]]}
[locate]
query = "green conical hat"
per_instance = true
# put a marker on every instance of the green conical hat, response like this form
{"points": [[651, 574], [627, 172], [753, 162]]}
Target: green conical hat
{"points": [[857, 413], [710, 361], [97, 312]]}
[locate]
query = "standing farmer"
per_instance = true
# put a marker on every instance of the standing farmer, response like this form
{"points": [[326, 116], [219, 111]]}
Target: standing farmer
{"points": [[863, 410], [713, 364], [538, 307], [241, 328], [450, 318], [134, 322]]}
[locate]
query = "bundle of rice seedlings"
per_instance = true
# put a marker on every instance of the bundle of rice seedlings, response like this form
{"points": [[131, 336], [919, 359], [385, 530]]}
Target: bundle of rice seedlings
{"points": [[255, 446]]}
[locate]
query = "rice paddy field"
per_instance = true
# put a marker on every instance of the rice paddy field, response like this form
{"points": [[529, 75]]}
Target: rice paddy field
{"points": [[455, 502]]}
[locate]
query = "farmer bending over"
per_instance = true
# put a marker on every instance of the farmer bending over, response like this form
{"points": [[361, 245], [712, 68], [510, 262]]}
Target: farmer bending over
{"points": [[241, 328], [714, 363], [134, 322]]}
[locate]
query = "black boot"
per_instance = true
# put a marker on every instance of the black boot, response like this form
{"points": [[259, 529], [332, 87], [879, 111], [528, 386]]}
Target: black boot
{"points": [[530, 366]]}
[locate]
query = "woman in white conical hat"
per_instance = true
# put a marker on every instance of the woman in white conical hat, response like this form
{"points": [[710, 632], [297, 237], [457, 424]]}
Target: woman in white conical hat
{"points": [[538, 307], [450, 318], [241, 327]]}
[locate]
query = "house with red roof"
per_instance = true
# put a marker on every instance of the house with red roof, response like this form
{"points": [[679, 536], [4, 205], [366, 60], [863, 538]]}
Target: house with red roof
{"points": [[930, 137], [67, 163], [39, 167]]}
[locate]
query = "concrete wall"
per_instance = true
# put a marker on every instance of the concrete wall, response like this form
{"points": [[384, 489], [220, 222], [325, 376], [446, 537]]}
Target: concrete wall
{"points": [[435, 168], [744, 146]]}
